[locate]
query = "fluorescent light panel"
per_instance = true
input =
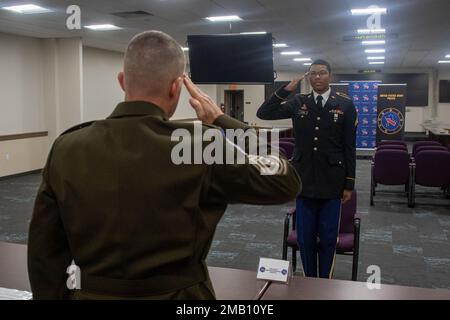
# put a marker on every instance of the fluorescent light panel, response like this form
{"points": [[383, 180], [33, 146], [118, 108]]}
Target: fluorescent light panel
{"points": [[27, 9], [376, 62], [307, 64], [367, 11], [103, 27], [291, 53], [373, 42], [302, 59], [375, 58], [280, 45], [375, 51], [447, 56], [185, 49], [255, 32], [444, 61], [366, 31], [224, 18]]}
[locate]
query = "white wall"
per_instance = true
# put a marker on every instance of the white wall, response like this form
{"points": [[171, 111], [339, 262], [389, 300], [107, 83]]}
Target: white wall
{"points": [[101, 90], [21, 85]]}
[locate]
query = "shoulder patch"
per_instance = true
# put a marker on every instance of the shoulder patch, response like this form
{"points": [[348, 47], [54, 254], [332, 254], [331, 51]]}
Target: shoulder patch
{"points": [[77, 127], [343, 95]]}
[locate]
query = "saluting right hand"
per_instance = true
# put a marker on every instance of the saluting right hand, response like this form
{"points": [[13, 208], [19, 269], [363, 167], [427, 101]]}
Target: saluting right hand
{"points": [[205, 108], [294, 83]]}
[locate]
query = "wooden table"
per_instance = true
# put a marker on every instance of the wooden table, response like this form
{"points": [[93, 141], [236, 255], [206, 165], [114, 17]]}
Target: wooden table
{"points": [[300, 288]]}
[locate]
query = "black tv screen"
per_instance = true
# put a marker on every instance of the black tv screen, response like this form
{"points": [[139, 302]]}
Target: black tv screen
{"points": [[231, 58], [444, 91]]}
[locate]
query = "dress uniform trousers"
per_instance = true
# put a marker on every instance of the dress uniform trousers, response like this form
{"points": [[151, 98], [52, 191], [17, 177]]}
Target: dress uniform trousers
{"points": [[317, 230]]}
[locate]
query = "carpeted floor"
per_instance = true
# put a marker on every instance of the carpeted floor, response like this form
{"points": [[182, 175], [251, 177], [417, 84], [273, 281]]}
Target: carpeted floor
{"points": [[411, 246]]}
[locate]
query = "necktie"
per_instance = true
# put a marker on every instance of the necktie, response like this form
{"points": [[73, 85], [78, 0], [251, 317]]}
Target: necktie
{"points": [[319, 102]]}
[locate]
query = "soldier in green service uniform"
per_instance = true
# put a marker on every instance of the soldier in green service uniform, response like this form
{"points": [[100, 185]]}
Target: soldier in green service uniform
{"points": [[113, 202]]}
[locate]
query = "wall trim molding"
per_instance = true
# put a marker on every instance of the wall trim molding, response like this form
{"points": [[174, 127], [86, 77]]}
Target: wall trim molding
{"points": [[20, 136], [17, 175]]}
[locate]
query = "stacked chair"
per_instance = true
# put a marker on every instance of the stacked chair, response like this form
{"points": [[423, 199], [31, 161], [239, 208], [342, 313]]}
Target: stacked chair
{"points": [[428, 165]]}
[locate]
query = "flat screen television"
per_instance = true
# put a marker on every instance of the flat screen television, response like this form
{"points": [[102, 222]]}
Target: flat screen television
{"points": [[231, 59], [444, 91]]}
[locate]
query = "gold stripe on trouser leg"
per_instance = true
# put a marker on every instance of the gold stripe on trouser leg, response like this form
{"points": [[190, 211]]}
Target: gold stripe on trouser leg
{"points": [[330, 275]]}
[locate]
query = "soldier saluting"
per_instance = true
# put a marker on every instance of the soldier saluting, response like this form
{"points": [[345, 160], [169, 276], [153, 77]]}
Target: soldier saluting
{"points": [[324, 124]]}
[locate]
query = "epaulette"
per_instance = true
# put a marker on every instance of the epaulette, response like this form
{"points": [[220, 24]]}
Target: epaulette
{"points": [[343, 95], [78, 127]]}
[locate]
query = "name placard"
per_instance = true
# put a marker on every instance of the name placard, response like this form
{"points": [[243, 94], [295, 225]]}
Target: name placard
{"points": [[273, 270]]}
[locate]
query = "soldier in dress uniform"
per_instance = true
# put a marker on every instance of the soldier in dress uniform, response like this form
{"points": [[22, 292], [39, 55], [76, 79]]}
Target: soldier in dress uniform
{"points": [[324, 124], [113, 201]]}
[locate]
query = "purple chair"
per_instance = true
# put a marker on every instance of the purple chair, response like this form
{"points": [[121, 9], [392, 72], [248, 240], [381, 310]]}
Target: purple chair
{"points": [[438, 148], [390, 167], [392, 147], [391, 142], [283, 152], [348, 238], [431, 169], [288, 147], [423, 143], [288, 139]]}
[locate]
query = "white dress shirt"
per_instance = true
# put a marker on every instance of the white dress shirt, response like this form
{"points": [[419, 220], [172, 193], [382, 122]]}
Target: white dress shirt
{"points": [[324, 95]]}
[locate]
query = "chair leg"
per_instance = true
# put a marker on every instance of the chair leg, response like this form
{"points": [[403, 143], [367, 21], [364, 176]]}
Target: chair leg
{"points": [[372, 186], [294, 259], [355, 266]]}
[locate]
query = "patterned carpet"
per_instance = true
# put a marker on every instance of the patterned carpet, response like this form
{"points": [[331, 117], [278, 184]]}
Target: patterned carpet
{"points": [[411, 246]]}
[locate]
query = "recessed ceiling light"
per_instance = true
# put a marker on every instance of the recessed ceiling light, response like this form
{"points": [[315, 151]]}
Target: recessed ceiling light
{"points": [[291, 53], [373, 42], [375, 58], [255, 32], [185, 49], [375, 50], [366, 31], [367, 11], [27, 9], [307, 63], [280, 45], [224, 18], [444, 61], [302, 59], [103, 27], [447, 56], [376, 62]]}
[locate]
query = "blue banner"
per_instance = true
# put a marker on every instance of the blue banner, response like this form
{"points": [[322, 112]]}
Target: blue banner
{"points": [[365, 98]]}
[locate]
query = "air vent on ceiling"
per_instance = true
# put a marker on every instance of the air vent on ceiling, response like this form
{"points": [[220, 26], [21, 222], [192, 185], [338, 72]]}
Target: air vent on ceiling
{"points": [[133, 15]]}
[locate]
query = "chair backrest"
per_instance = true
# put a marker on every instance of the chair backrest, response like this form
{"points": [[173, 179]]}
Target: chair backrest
{"points": [[283, 152], [288, 147], [348, 211], [433, 168], [423, 143], [392, 147], [391, 167], [422, 148], [391, 142], [288, 139]]}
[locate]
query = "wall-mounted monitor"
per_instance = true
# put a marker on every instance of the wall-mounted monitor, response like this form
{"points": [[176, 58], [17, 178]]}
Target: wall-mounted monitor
{"points": [[444, 91], [231, 59]]}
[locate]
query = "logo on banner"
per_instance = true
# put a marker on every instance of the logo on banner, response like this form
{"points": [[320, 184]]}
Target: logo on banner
{"points": [[366, 97], [374, 121], [374, 109], [364, 132], [366, 86], [356, 86], [365, 121], [365, 110], [355, 97], [364, 144], [390, 121], [375, 97]]}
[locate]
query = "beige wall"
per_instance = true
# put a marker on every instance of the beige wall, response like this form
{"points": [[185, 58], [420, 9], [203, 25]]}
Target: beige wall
{"points": [[443, 110], [21, 85], [18, 156]]}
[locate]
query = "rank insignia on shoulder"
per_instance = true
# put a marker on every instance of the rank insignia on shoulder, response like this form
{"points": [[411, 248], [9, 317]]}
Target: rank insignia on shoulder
{"points": [[343, 95], [284, 102]]}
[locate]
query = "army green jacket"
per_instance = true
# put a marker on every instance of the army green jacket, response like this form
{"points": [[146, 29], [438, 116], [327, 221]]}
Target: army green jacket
{"points": [[136, 224]]}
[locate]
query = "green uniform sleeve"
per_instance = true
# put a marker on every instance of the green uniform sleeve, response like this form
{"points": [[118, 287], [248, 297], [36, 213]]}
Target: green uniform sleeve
{"points": [[48, 249], [252, 182]]}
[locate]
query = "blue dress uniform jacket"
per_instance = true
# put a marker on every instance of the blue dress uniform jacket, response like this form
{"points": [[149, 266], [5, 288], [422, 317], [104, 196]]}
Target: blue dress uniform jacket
{"points": [[324, 154]]}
